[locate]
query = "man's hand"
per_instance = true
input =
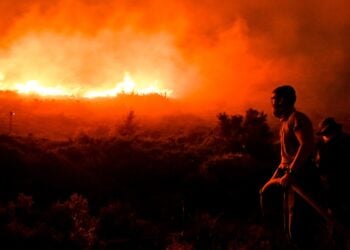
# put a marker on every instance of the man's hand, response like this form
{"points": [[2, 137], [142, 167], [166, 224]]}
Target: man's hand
{"points": [[275, 180], [285, 180], [271, 182]]}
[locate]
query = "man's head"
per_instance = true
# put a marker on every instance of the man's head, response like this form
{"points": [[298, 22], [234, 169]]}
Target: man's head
{"points": [[328, 128], [283, 100]]}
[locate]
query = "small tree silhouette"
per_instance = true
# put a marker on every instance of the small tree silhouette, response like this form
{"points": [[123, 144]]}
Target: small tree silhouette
{"points": [[129, 125], [11, 115], [257, 134]]}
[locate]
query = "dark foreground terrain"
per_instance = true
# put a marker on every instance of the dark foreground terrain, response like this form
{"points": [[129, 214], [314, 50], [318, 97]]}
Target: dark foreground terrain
{"points": [[170, 187]]}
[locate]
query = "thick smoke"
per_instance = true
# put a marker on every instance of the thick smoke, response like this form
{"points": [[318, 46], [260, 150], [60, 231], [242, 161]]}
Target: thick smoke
{"points": [[219, 53]]}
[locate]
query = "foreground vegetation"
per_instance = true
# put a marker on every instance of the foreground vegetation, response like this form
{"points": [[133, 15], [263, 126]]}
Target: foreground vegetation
{"points": [[141, 188]]}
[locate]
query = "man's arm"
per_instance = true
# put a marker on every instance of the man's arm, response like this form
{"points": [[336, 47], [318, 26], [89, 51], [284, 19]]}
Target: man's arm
{"points": [[305, 150], [306, 145]]}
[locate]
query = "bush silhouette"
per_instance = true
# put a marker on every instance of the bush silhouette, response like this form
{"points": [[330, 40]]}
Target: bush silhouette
{"points": [[249, 133]]}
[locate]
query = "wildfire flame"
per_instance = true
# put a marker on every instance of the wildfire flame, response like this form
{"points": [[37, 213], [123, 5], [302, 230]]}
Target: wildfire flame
{"points": [[34, 87], [127, 86]]}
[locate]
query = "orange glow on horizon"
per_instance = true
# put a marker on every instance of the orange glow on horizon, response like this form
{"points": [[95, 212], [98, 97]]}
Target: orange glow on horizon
{"points": [[222, 54], [127, 86]]}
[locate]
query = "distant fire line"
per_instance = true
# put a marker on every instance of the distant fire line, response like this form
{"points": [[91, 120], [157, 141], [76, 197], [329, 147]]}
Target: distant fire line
{"points": [[127, 86]]}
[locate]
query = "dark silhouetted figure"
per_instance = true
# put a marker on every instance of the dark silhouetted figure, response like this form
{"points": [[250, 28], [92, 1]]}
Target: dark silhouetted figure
{"points": [[333, 159], [296, 165]]}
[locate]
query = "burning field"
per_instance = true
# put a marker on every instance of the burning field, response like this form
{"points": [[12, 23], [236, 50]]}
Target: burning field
{"points": [[227, 54]]}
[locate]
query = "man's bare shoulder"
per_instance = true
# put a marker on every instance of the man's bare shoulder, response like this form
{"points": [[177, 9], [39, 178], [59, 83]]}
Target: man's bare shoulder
{"points": [[300, 120]]}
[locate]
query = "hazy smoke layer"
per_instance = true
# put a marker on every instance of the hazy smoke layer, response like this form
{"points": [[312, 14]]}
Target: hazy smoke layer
{"points": [[221, 53]]}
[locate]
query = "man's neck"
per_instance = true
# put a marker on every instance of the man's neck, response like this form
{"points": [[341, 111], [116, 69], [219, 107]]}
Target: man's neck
{"points": [[287, 113]]}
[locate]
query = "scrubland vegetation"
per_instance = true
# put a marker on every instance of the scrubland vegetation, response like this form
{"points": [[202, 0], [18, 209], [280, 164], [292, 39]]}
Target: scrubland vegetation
{"points": [[141, 187]]}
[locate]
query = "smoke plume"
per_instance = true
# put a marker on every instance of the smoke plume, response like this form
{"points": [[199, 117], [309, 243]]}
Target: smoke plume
{"points": [[210, 53]]}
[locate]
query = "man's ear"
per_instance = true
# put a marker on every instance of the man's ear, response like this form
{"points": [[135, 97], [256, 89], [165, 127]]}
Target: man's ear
{"points": [[281, 101]]}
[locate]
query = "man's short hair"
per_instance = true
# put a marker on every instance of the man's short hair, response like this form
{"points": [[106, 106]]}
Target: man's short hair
{"points": [[287, 92]]}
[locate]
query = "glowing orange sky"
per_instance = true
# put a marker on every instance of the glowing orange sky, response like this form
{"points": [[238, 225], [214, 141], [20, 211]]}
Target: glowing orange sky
{"points": [[212, 52]]}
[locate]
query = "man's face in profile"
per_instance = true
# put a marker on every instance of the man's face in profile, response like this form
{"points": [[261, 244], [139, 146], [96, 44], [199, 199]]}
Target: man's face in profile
{"points": [[278, 105]]}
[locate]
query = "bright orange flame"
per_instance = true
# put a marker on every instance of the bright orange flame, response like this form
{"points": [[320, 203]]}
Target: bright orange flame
{"points": [[34, 87], [127, 86]]}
